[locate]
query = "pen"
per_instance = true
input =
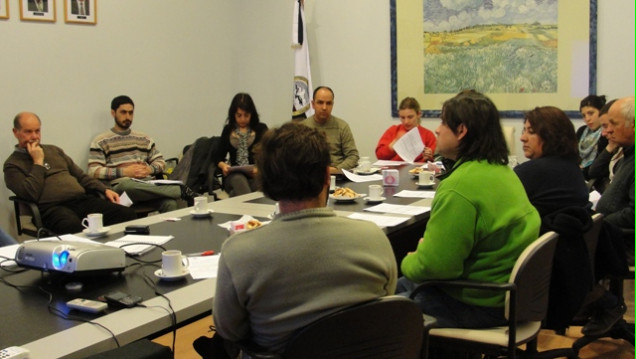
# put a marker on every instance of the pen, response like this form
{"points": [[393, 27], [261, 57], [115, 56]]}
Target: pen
{"points": [[202, 254]]}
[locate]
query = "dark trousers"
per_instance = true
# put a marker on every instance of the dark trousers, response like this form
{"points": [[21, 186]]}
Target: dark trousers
{"points": [[66, 217]]}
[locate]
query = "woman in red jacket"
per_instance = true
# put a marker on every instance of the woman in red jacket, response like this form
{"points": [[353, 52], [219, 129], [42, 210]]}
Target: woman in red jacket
{"points": [[410, 114]]}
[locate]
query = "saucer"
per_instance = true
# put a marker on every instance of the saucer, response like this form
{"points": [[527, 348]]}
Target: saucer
{"points": [[202, 214], [429, 185], [102, 232], [370, 171], [159, 273], [374, 200]]}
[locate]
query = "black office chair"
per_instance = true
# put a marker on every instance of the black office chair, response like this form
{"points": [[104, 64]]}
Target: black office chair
{"points": [[27, 218], [141, 349], [388, 327], [526, 306]]}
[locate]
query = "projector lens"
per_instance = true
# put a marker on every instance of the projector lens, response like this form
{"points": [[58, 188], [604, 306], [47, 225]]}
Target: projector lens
{"points": [[60, 259]]}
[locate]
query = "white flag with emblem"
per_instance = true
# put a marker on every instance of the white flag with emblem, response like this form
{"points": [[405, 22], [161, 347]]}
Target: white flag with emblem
{"points": [[302, 71]]}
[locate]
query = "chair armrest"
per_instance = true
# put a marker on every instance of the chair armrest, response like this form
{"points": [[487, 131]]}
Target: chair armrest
{"points": [[501, 287], [33, 207]]}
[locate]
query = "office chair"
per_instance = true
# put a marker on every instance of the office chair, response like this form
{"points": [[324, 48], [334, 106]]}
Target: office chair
{"points": [[620, 330], [27, 218], [141, 349], [387, 327], [526, 306]]}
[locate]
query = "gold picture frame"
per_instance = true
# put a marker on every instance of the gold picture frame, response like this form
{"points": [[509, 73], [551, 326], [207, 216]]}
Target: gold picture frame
{"points": [[450, 50], [4, 9], [80, 11], [37, 10]]}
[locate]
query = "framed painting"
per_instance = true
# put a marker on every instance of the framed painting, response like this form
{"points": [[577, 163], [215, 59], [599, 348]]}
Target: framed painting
{"points": [[522, 54], [4, 9], [37, 10], [80, 11]]}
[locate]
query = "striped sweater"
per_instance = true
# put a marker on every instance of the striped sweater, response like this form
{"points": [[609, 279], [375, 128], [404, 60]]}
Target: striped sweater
{"points": [[110, 150]]}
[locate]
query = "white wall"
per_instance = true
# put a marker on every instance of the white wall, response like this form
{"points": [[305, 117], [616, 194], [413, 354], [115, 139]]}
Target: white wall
{"points": [[182, 61]]}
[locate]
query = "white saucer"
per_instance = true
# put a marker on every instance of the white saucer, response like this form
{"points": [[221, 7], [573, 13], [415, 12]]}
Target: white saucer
{"points": [[102, 232], [430, 185], [159, 273], [200, 215], [379, 199], [370, 171]]}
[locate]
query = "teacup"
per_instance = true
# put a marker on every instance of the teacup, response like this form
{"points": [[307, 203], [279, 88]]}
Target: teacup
{"points": [[375, 192], [426, 178], [364, 164], [173, 263], [200, 204], [93, 222]]}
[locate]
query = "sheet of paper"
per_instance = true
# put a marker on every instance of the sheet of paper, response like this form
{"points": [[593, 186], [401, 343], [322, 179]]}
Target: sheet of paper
{"points": [[142, 243], [359, 178], [159, 181], [385, 163], [204, 267], [7, 253], [409, 146], [398, 209], [124, 200], [594, 197], [381, 221], [415, 194]]}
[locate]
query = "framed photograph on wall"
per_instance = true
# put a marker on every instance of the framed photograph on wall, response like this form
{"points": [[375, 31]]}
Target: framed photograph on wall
{"points": [[37, 10], [4, 9], [520, 56], [80, 11]]}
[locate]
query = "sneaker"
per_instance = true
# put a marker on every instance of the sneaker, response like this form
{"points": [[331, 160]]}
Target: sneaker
{"points": [[603, 320], [188, 195]]}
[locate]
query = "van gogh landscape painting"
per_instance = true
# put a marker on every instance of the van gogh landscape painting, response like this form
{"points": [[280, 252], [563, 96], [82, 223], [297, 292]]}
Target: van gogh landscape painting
{"points": [[493, 46]]}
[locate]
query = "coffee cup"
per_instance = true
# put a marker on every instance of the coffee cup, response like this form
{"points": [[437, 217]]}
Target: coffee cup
{"points": [[426, 178], [332, 184], [93, 222], [201, 204], [173, 263], [364, 164], [375, 191]]}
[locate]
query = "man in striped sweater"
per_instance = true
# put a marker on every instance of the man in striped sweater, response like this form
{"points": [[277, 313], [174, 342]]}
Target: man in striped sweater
{"points": [[121, 157]]}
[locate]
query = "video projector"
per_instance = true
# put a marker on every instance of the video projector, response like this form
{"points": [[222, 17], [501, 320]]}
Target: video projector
{"points": [[70, 257]]}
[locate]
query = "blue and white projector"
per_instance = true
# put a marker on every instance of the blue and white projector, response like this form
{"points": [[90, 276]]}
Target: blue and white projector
{"points": [[70, 257]]}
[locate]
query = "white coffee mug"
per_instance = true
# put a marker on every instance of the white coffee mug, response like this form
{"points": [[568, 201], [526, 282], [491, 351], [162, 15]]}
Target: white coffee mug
{"points": [[173, 262], [200, 204], [375, 191], [332, 184], [93, 222], [364, 164], [426, 178]]}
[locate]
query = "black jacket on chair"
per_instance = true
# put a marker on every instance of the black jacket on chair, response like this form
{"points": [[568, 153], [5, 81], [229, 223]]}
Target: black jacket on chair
{"points": [[572, 273]]}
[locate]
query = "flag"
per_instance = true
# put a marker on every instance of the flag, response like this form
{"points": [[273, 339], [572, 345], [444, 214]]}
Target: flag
{"points": [[302, 71]]}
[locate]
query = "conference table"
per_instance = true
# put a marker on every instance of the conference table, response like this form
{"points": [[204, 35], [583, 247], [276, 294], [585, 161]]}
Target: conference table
{"points": [[30, 297]]}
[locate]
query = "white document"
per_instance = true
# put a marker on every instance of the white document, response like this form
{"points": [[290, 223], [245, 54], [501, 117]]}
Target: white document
{"points": [[385, 163], [204, 267], [410, 145], [398, 209], [159, 181], [415, 194], [124, 200], [358, 178], [381, 221], [136, 244]]}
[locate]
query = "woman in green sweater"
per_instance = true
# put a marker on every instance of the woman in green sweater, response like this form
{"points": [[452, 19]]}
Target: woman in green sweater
{"points": [[481, 219]]}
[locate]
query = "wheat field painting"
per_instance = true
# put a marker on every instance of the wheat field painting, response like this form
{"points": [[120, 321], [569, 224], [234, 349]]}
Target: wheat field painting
{"points": [[491, 46]]}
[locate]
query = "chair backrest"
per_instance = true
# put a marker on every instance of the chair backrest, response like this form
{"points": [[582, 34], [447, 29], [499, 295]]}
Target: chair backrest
{"points": [[591, 237], [388, 327], [531, 275]]}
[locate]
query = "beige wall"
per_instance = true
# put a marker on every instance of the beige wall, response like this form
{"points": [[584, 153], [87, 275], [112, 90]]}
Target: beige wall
{"points": [[182, 61]]}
